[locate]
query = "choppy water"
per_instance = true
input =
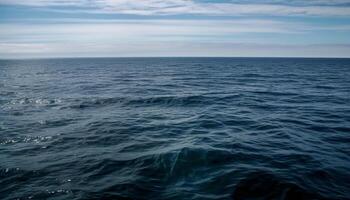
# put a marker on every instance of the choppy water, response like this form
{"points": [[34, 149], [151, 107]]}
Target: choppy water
{"points": [[175, 128]]}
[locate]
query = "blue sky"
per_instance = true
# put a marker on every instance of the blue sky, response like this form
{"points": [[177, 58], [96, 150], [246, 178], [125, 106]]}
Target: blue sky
{"points": [[124, 28]]}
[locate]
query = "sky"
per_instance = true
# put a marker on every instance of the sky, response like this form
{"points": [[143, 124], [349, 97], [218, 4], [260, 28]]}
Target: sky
{"points": [[179, 28]]}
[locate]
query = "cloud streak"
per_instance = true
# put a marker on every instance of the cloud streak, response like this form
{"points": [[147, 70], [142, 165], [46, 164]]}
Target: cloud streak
{"points": [[42, 50], [160, 38], [180, 7], [68, 28], [148, 28]]}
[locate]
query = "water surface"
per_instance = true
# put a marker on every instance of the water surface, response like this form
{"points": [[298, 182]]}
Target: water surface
{"points": [[175, 128]]}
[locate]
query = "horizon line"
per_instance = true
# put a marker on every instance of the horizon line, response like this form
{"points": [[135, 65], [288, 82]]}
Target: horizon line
{"points": [[123, 57]]}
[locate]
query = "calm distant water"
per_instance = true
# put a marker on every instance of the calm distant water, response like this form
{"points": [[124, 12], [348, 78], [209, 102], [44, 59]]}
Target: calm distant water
{"points": [[175, 128]]}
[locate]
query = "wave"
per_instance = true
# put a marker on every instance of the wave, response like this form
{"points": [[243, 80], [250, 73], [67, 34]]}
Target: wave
{"points": [[181, 128], [265, 185], [189, 100]]}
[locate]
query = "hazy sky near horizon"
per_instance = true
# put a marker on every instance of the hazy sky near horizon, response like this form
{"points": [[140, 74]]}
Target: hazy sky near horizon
{"points": [[119, 28]]}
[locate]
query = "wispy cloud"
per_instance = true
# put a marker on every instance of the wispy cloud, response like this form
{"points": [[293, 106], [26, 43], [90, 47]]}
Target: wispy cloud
{"points": [[53, 28], [19, 50], [157, 37], [177, 7], [112, 30], [148, 28]]}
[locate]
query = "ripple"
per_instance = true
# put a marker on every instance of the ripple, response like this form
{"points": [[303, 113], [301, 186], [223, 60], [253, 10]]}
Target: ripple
{"points": [[26, 139], [175, 128], [192, 100], [34, 101]]}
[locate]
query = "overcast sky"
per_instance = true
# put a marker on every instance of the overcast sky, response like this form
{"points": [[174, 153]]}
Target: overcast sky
{"points": [[120, 28]]}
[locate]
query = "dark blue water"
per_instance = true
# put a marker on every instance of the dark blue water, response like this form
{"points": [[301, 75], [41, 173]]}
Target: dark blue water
{"points": [[175, 128]]}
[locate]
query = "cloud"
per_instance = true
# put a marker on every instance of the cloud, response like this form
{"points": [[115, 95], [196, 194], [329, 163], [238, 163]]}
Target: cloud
{"points": [[45, 2], [132, 30], [178, 7], [113, 30], [147, 28], [41, 50], [243, 37], [162, 35]]}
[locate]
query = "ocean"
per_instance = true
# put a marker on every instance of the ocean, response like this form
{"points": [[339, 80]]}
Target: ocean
{"points": [[175, 128]]}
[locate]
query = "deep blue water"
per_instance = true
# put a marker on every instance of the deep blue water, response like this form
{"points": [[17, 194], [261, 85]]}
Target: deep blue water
{"points": [[175, 128]]}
